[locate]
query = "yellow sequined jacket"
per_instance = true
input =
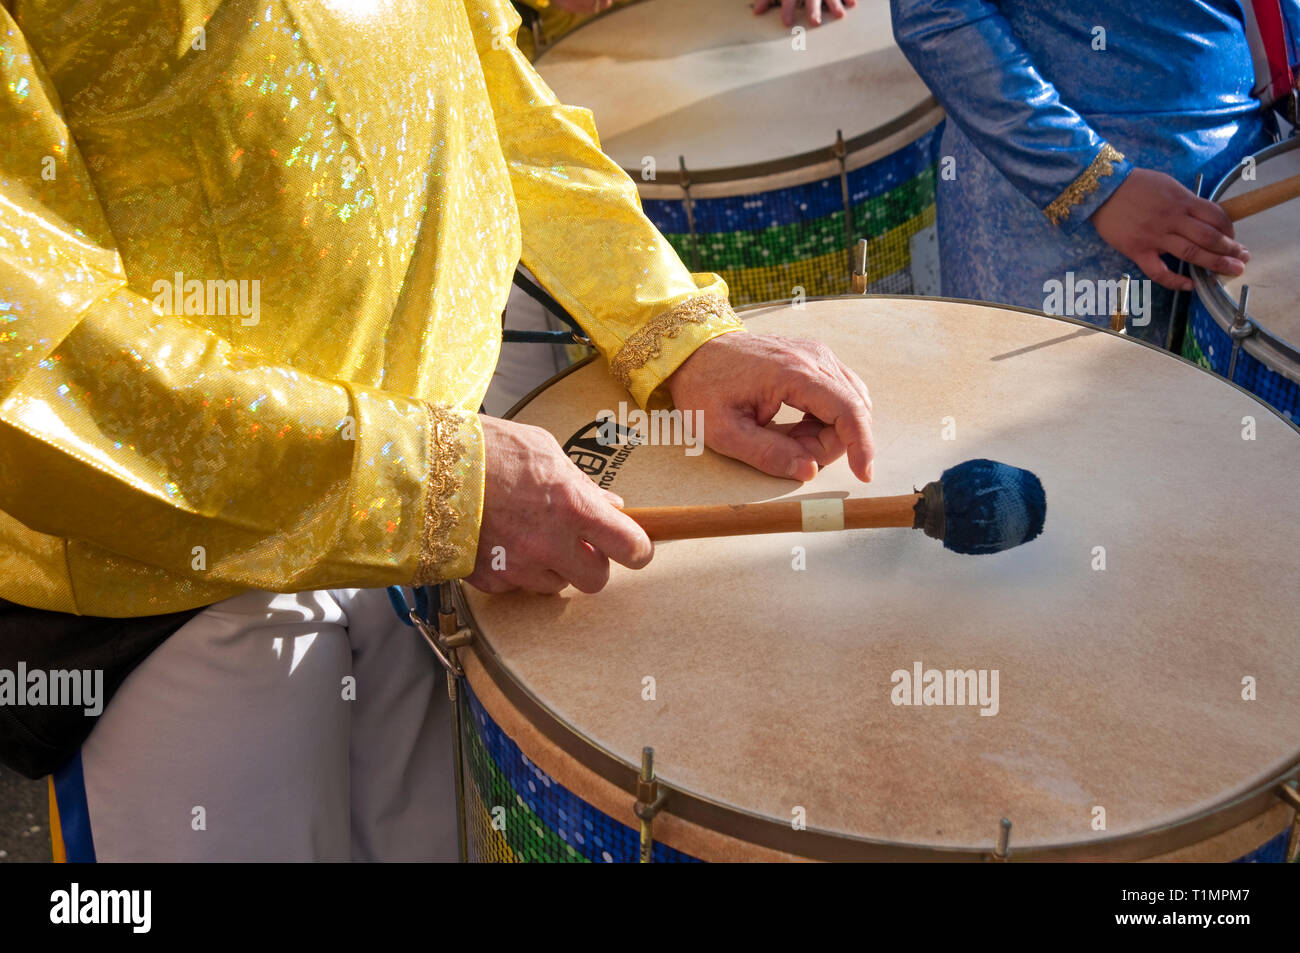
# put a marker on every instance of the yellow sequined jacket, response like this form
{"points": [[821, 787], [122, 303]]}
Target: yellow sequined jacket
{"points": [[253, 258]]}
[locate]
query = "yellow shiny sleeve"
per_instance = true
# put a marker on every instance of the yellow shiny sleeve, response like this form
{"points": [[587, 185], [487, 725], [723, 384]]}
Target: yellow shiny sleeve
{"points": [[584, 234], [127, 433]]}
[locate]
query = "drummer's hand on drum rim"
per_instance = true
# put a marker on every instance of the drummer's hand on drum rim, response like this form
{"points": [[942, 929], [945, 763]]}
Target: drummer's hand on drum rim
{"points": [[1151, 213], [737, 382], [553, 526], [835, 8]]}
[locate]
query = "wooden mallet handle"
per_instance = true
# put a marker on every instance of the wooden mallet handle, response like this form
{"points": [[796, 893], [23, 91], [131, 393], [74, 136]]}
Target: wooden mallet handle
{"points": [[1261, 199], [784, 516]]}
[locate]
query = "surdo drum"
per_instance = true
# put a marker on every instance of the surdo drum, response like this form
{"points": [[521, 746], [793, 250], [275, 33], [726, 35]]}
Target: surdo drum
{"points": [[1127, 686], [731, 127], [1260, 347]]}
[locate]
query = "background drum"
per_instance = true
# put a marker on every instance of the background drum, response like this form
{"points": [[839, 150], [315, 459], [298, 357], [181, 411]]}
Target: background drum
{"points": [[760, 668], [767, 199], [1268, 358]]}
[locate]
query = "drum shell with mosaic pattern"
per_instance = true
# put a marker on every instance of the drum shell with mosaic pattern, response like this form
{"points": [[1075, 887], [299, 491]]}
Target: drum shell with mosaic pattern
{"points": [[1149, 686], [754, 111], [1268, 358]]}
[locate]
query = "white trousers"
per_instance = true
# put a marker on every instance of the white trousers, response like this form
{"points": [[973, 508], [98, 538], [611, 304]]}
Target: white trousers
{"points": [[238, 738], [312, 726]]}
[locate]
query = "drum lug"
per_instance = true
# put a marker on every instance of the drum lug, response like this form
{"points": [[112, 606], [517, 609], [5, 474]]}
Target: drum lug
{"points": [[860, 264], [1242, 327], [449, 636], [841, 153], [650, 800], [1291, 796], [688, 203], [539, 37], [1002, 849], [1119, 319]]}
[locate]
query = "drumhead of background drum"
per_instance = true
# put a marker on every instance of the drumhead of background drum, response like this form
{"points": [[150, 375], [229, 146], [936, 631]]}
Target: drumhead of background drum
{"points": [[714, 83], [1273, 238], [1145, 644]]}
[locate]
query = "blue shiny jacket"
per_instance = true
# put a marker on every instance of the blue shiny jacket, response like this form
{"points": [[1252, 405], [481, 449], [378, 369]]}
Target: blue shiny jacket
{"points": [[1042, 94], [1039, 85]]}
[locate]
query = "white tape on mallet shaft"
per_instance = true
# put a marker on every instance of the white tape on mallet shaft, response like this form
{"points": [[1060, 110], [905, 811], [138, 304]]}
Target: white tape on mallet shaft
{"points": [[820, 516]]}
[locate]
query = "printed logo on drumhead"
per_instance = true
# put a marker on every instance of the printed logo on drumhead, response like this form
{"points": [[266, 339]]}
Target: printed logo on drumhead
{"points": [[603, 446], [596, 455]]}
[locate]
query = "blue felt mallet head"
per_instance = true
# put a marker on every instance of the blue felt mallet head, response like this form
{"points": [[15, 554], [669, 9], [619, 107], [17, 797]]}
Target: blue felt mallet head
{"points": [[982, 506]]}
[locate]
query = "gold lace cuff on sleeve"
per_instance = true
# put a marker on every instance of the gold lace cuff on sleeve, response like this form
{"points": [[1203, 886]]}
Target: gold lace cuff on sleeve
{"points": [[1087, 183], [454, 506], [648, 342]]}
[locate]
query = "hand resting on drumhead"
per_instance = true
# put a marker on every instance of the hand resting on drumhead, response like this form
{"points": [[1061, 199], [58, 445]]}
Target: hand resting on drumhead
{"points": [[555, 527], [738, 382], [1151, 213], [835, 8]]}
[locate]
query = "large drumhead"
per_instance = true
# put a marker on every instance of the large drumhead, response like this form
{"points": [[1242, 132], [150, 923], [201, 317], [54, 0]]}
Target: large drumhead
{"points": [[1273, 238], [1124, 637], [714, 83]]}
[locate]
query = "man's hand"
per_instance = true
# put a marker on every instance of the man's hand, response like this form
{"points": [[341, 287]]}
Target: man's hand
{"points": [[1152, 213], [738, 382], [554, 526], [836, 9]]}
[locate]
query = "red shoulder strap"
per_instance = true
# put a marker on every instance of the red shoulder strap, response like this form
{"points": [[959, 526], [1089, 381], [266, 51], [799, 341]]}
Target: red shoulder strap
{"points": [[1265, 31]]}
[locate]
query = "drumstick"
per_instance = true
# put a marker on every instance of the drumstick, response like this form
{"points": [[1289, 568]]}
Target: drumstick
{"points": [[979, 506], [1261, 199]]}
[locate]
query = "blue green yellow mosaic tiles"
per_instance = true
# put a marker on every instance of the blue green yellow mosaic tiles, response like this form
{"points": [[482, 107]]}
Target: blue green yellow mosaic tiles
{"points": [[1210, 346], [515, 812], [756, 239]]}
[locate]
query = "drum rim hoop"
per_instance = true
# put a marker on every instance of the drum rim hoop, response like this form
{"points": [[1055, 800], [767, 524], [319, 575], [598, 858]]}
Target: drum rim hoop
{"points": [[819, 844], [926, 115], [711, 175], [1272, 351]]}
